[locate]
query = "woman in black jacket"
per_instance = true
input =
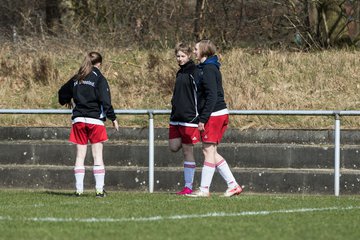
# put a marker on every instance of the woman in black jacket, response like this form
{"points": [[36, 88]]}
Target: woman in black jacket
{"points": [[88, 94], [213, 119], [183, 132]]}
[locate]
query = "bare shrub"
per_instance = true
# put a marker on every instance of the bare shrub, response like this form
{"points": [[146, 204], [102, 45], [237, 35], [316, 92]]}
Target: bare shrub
{"points": [[162, 73], [151, 24], [44, 71]]}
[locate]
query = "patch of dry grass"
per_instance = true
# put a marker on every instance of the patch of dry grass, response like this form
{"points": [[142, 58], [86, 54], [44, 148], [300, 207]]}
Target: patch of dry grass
{"points": [[275, 80], [31, 74]]}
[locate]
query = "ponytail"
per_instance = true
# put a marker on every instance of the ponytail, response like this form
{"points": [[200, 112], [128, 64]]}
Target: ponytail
{"points": [[90, 60]]}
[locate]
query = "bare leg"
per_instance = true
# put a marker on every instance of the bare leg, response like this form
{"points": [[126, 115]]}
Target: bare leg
{"points": [[97, 152], [209, 151], [175, 144], [188, 151], [80, 154]]}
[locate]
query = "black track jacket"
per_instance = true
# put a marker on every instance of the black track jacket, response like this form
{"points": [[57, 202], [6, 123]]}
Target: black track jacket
{"points": [[91, 97], [184, 99]]}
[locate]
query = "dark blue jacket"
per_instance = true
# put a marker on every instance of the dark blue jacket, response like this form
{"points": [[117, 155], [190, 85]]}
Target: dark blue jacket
{"points": [[210, 90]]}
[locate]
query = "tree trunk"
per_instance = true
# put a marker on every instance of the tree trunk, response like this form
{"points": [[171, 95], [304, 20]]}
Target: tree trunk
{"points": [[199, 16], [357, 16], [53, 15], [313, 17]]}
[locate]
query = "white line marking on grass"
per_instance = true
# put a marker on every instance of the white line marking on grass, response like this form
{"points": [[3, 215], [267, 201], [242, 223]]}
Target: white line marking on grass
{"points": [[46, 205], [178, 217]]}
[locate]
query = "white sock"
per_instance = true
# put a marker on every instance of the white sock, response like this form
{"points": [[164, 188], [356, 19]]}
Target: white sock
{"points": [[226, 173], [79, 172], [189, 172], [207, 174], [99, 175]]}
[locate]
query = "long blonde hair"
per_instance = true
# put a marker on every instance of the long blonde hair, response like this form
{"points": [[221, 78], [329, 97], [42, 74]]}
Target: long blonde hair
{"points": [[90, 60]]}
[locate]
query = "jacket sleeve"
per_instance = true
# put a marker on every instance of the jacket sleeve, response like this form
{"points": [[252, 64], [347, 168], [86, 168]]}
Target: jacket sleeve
{"points": [[65, 93], [209, 85], [105, 98]]}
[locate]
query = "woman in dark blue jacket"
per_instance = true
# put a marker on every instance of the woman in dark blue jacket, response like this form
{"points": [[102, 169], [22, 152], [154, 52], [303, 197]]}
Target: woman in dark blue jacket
{"points": [[213, 119]]}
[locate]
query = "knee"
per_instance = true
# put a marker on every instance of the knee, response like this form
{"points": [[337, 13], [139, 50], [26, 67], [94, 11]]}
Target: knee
{"points": [[174, 148], [175, 144], [208, 149]]}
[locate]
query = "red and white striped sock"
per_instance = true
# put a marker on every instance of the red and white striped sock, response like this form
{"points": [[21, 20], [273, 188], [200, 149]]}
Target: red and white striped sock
{"points": [[226, 173], [189, 172], [207, 174], [99, 175], [79, 172]]}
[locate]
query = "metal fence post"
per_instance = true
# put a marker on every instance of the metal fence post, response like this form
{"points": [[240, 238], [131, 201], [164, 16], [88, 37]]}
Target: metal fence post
{"points": [[337, 156], [151, 151]]}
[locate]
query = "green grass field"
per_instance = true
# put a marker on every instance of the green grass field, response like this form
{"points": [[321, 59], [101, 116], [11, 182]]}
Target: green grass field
{"points": [[26, 214]]}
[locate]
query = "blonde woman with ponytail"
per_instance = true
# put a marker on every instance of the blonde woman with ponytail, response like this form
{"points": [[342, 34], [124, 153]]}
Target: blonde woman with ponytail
{"points": [[88, 93]]}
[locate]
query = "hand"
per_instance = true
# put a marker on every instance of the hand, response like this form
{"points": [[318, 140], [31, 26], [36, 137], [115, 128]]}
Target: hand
{"points": [[68, 105], [116, 125], [201, 126]]}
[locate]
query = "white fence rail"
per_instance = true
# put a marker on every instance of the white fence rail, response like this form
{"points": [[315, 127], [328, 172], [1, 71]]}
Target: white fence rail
{"points": [[152, 112]]}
